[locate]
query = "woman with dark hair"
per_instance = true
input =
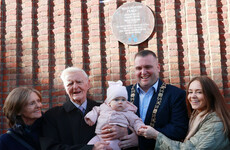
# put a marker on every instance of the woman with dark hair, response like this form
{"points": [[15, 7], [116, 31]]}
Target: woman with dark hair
{"points": [[209, 126], [23, 111]]}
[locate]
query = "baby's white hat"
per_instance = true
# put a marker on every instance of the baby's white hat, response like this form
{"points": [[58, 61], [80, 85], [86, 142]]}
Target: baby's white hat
{"points": [[116, 89]]}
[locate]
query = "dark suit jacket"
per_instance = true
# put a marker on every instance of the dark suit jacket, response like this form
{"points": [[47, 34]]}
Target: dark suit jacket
{"points": [[171, 117], [64, 128], [28, 134]]}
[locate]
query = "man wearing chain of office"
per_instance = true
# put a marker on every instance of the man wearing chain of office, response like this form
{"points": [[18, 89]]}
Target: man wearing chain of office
{"points": [[159, 104]]}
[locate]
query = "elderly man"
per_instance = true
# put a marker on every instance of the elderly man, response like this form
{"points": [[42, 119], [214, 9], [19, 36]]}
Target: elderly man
{"points": [[64, 126]]}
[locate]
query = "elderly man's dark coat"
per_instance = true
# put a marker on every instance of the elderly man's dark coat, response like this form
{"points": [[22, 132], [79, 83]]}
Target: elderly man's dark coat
{"points": [[64, 128]]}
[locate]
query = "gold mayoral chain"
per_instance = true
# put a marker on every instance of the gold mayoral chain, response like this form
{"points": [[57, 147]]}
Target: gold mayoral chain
{"points": [[159, 99]]}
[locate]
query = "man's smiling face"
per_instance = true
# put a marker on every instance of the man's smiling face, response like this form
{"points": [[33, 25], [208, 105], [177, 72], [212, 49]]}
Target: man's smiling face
{"points": [[146, 71]]}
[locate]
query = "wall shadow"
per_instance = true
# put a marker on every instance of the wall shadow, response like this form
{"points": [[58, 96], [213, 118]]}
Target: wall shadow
{"points": [[68, 21], [3, 60], [159, 36], [85, 36], [102, 35], [18, 42], [200, 41], [223, 51], [180, 46], [122, 58], [51, 41], [35, 42]]}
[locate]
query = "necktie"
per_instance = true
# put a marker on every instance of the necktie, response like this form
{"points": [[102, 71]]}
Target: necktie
{"points": [[82, 109]]}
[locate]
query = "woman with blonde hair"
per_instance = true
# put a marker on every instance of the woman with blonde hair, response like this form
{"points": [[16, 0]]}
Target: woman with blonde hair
{"points": [[23, 111], [209, 126]]}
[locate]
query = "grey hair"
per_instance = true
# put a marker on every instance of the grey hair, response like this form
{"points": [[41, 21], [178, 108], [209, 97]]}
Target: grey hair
{"points": [[72, 70]]}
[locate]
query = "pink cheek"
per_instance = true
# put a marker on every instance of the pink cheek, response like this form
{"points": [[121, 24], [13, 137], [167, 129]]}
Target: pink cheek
{"points": [[69, 90]]}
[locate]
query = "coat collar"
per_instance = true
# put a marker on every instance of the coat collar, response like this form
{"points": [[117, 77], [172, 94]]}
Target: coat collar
{"points": [[69, 106]]}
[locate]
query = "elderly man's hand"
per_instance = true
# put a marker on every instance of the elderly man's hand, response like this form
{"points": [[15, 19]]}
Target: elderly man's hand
{"points": [[110, 132], [89, 122], [101, 146], [130, 140]]}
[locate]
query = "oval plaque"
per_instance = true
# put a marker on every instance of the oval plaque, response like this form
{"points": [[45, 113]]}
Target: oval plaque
{"points": [[132, 23]]}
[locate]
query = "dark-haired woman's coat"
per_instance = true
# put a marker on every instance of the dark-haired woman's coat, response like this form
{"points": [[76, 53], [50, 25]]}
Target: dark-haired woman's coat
{"points": [[28, 134]]}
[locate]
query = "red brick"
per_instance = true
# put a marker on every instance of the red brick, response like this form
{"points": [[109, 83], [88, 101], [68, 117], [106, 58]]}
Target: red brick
{"points": [[88, 43]]}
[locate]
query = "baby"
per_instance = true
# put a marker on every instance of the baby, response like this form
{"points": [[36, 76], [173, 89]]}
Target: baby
{"points": [[115, 110]]}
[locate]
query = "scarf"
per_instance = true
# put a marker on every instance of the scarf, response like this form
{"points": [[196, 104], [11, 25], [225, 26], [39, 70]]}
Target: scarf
{"points": [[195, 120]]}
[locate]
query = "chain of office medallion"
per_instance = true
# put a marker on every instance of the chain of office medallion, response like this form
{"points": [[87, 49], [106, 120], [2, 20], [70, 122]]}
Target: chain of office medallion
{"points": [[159, 99]]}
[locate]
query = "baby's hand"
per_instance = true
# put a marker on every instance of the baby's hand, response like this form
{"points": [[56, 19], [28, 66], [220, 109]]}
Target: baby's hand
{"points": [[148, 132], [89, 122], [141, 130]]}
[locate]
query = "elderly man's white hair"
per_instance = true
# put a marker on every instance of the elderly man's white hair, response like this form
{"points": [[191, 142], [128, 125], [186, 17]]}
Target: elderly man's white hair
{"points": [[72, 70]]}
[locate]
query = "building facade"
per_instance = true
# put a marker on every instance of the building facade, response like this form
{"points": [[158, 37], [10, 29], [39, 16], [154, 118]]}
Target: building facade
{"points": [[40, 38]]}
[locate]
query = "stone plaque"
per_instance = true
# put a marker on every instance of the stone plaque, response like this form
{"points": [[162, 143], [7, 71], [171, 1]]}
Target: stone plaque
{"points": [[133, 23]]}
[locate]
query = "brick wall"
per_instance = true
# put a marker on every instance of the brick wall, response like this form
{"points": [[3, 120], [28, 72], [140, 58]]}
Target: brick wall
{"points": [[40, 38]]}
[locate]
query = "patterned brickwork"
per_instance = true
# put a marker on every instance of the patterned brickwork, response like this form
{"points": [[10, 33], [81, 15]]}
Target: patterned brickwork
{"points": [[40, 38]]}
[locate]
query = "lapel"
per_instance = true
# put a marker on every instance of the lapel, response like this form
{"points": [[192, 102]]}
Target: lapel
{"points": [[136, 101], [69, 106], [89, 107]]}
